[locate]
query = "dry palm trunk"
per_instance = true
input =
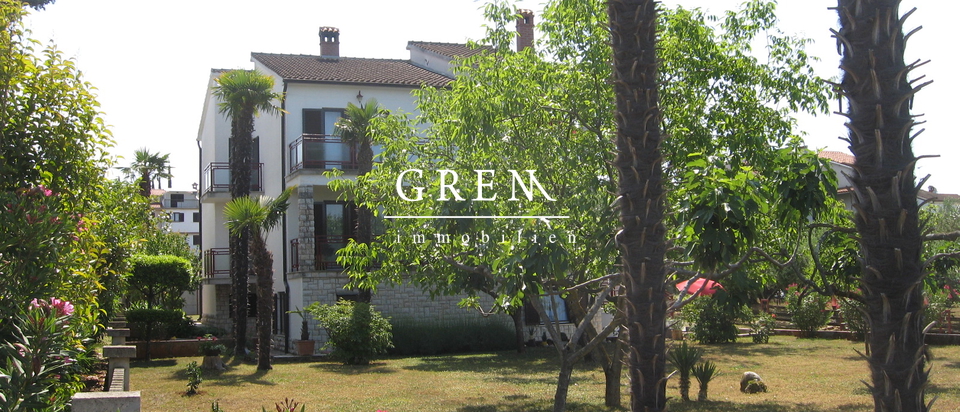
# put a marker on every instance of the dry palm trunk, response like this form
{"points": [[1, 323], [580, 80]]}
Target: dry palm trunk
{"points": [[880, 95], [633, 27], [263, 263], [240, 165]]}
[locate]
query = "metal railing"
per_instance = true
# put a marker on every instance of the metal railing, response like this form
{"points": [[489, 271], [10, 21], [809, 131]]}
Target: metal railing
{"points": [[216, 177], [216, 261], [324, 152], [181, 204]]}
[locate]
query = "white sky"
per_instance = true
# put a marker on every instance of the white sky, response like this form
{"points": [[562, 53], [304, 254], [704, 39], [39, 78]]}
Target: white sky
{"points": [[150, 61]]}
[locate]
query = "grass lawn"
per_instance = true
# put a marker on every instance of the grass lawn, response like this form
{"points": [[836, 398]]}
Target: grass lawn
{"points": [[803, 375]]}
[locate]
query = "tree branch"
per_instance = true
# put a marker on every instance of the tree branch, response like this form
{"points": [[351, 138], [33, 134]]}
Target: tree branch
{"points": [[942, 236]]}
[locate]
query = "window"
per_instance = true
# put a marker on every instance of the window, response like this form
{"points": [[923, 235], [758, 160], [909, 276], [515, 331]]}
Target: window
{"points": [[196, 217], [334, 224], [196, 240], [176, 200], [555, 306], [321, 121], [176, 217]]}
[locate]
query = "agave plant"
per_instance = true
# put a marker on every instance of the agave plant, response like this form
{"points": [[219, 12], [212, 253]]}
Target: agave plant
{"points": [[704, 372], [684, 357]]}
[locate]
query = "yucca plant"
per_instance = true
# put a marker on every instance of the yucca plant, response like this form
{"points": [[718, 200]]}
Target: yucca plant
{"points": [[704, 372], [684, 357]]}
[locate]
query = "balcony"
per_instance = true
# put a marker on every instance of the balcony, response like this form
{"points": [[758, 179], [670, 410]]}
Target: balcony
{"points": [[216, 177], [322, 152], [216, 263], [325, 253], [181, 204]]}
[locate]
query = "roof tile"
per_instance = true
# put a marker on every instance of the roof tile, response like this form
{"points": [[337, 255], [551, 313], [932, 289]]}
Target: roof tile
{"points": [[350, 70], [449, 49]]}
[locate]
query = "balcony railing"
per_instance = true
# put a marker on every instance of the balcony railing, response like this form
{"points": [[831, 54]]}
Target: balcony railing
{"points": [[324, 152], [216, 262], [181, 204], [326, 252], [216, 177]]}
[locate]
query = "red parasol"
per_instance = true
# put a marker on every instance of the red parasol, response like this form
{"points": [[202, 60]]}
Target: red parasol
{"points": [[706, 287]]}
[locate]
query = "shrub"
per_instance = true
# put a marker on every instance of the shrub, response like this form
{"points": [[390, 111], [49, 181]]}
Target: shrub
{"points": [[40, 358], [808, 310], [355, 331], [157, 323], [851, 311], [431, 337], [761, 327], [160, 279], [194, 378], [712, 321], [937, 302]]}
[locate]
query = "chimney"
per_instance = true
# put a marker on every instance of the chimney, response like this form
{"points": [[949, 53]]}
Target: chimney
{"points": [[329, 42], [525, 29]]}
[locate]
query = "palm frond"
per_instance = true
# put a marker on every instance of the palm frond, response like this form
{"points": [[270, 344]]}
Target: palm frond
{"points": [[240, 90]]}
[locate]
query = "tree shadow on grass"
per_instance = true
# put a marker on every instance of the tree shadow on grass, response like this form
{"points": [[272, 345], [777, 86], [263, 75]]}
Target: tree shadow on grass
{"points": [[534, 361], [724, 406], [339, 368], [230, 377], [513, 404]]}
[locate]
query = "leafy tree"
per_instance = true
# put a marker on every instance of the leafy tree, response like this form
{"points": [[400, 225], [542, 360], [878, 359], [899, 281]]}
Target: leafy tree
{"points": [[354, 128], [356, 331], [147, 167], [243, 94], [160, 279], [260, 217], [521, 111]]}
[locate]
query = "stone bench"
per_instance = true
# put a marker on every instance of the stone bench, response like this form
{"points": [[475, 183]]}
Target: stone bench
{"points": [[106, 402]]}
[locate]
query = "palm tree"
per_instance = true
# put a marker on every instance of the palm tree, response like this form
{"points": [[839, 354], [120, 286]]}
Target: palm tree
{"points": [[633, 32], [880, 96], [354, 128], [146, 168], [259, 217], [243, 94]]}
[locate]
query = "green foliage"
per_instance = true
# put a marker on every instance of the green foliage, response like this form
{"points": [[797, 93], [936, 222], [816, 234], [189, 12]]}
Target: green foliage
{"points": [[160, 279], [761, 327], [215, 406], [194, 378], [155, 323], [937, 302], [288, 405], [210, 343], [37, 372], [683, 358], [246, 91], [755, 386], [852, 312], [807, 309], [429, 337], [713, 319], [355, 330], [147, 167], [704, 372]]}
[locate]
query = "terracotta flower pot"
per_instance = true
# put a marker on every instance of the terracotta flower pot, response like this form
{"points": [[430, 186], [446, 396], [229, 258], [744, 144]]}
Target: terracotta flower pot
{"points": [[305, 347]]}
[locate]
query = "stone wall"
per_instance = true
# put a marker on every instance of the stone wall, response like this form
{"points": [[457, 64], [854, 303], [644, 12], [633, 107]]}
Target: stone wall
{"points": [[398, 302]]}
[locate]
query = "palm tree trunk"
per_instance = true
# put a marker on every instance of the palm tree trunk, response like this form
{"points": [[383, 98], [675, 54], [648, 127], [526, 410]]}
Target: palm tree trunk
{"points": [[263, 262], [633, 26], [240, 153], [879, 94], [364, 214]]}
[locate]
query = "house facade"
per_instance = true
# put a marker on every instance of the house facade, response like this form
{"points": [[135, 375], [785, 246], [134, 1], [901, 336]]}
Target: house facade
{"points": [[842, 165], [295, 149]]}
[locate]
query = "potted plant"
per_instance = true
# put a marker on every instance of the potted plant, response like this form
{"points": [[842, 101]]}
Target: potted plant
{"points": [[210, 346], [305, 346]]}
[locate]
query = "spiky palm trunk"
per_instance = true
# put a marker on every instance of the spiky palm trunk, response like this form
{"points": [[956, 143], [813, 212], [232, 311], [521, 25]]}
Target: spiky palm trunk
{"points": [[364, 214], [262, 261], [633, 27], [240, 165], [879, 94]]}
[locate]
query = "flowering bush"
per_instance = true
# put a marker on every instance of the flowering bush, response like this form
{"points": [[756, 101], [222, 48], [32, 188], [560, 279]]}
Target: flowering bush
{"points": [[761, 327], [808, 309], [209, 343], [39, 371]]}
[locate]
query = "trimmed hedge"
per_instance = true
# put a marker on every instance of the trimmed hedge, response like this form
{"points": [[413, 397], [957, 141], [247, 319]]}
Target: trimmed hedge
{"points": [[419, 337]]}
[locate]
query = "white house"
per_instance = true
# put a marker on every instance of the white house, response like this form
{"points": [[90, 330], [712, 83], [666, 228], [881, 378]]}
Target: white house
{"points": [[182, 209], [294, 149], [842, 165]]}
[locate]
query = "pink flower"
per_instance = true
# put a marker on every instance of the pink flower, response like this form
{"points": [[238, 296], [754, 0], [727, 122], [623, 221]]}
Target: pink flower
{"points": [[35, 304], [64, 308], [46, 192]]}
